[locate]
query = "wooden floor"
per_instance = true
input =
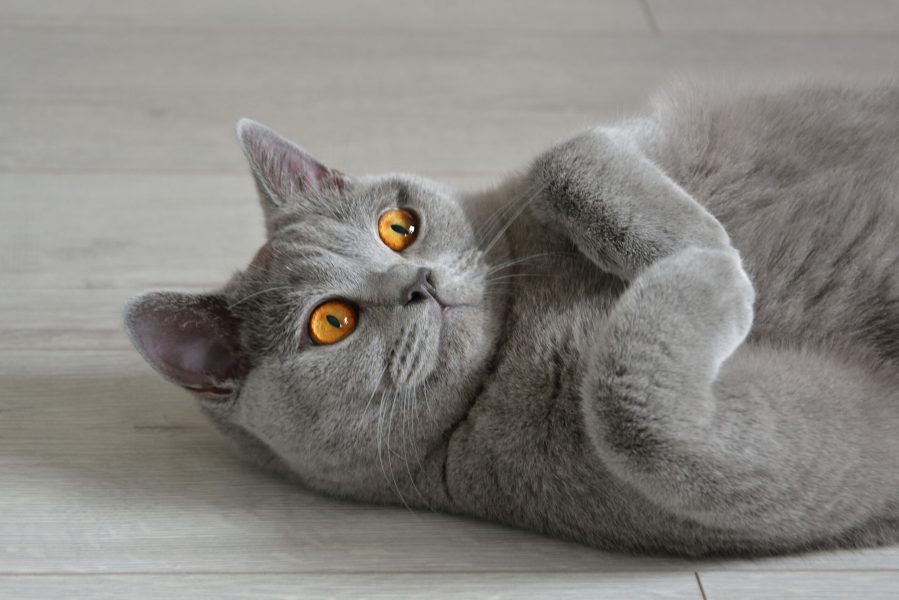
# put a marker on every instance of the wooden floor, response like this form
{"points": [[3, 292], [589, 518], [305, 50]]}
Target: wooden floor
{"points": [[119, 171]]}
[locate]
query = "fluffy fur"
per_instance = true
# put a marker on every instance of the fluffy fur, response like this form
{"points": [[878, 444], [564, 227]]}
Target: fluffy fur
{"points": [[677, 334]]}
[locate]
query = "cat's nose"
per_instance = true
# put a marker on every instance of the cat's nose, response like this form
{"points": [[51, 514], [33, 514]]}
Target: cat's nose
{"points": [[421, 287]]}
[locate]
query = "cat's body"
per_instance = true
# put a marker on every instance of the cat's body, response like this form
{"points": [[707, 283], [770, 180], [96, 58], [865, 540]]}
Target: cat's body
{"points": [[600, 384], [807, 186]]}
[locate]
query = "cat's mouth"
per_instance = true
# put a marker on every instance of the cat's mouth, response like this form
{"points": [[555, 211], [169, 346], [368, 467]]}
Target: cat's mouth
{"points": [[447, 302], [426, 290], [448, 310], [444, 305], [447, 307]]}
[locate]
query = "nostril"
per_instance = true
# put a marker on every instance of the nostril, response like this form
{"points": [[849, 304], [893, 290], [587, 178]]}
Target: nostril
{"points": [[420, 289], [416, 296]]}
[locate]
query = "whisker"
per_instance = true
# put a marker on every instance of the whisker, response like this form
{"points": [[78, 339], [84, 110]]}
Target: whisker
{"points": [[408, 400], [497, 217], [494, 219], [380, 429], [375, 390], [510, 263], [413, 401], [515, 216], [389, 460], [514, 276], [426, 393]]}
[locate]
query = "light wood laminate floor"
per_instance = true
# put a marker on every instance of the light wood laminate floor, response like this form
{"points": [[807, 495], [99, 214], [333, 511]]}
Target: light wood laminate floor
{"points": [[119, 172]]}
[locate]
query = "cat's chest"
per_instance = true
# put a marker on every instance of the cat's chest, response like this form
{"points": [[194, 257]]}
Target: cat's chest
{"points": [[550, 331], [528, 416], [558, 299]]}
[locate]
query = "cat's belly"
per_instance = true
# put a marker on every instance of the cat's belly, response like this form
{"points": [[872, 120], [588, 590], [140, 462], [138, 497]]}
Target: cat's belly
{"points": [[808, 194], [824, 268], [523, 456]]}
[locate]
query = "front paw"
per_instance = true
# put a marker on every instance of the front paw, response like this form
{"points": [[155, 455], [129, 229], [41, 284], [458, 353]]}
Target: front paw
{"points": [[617, 206], [709, 296], [568, 178]]}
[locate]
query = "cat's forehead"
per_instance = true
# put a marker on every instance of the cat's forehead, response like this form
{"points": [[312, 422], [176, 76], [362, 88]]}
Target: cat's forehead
{"points": [[315, 261], [344, 222], [332, 244]]}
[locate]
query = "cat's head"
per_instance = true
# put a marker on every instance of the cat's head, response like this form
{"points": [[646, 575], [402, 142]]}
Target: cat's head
{"points": [[353, 339]]}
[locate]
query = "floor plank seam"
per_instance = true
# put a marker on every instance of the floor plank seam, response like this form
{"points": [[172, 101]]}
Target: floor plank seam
{"points": [[649, 16], [701, 588]]}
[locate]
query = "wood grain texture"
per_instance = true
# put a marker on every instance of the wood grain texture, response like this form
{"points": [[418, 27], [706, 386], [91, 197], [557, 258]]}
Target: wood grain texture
{"points": [[459, 103], [767, 17], [329, 15], [93, 232], [871, 585], [98, 232], [119, 171], [387, 586], [107, 468]]}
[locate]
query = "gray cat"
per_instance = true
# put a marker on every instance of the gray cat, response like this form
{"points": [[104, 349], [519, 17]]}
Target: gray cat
{"points": [[678, 334]]}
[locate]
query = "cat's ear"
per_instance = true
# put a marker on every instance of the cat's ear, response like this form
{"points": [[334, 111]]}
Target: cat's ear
{"points": [[191, 339], [284, 172]]}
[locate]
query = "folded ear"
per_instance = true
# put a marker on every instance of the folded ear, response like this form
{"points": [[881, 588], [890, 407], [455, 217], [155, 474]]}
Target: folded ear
{"points": [[192, 340], [284, 172]]}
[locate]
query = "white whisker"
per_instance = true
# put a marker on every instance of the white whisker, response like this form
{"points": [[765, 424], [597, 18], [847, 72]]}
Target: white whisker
{"points": [[409, 403], [389, 459], [375, 390], [515, 216], [510, 263], [497, 217]]}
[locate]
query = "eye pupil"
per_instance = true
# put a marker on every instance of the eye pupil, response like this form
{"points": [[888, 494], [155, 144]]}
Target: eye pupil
{"points": [[333, 321], [399, 229]]}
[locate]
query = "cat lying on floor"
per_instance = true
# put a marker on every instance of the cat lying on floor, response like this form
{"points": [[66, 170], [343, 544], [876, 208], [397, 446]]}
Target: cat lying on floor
{"points": [[676, 334]]}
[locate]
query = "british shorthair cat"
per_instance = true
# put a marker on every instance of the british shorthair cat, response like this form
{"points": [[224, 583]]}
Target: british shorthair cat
{"points": [[678, 333]]}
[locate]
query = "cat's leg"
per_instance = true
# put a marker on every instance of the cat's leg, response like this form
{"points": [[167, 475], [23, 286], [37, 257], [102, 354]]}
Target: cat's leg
{"points": [[772, 443], [648, 376], [620, 210], [735, 436]]}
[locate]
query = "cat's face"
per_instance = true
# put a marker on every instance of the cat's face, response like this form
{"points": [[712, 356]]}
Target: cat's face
{"points": [[353, 339]]}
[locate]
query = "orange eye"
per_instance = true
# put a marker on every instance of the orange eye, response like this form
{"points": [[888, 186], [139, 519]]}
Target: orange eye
{"points": [[398, 229], [332, 321]]}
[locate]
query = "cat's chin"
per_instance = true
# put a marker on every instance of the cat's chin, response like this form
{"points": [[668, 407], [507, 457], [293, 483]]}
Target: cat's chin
{"points": [[439, 346]]}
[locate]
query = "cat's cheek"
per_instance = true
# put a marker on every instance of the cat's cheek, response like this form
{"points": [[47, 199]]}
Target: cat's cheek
{"points": [[466, 335], [459, 316], [461, 296]]}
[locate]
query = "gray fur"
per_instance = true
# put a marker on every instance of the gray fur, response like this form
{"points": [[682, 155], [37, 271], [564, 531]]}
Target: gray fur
{"points": [[679, 334]]}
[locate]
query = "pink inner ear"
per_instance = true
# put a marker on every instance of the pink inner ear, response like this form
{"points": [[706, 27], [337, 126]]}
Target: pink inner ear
{"points": [[193, 340], [301, 166], [281, 167], [315, 175]]}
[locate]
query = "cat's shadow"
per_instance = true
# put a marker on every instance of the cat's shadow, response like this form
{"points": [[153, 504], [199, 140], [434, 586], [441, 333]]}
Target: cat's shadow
{"points": [[129, 446]]}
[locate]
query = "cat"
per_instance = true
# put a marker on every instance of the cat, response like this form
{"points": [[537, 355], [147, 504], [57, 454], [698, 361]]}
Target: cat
{"points": [[676, 334]]}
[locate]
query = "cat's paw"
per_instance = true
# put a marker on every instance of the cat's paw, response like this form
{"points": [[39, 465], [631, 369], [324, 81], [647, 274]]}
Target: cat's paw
{"points": [[567, 178], [709, 293], [617, 206]]}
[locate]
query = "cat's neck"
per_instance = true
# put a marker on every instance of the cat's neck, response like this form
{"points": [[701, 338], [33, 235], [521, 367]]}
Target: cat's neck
{"points": [[493, 212]]}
